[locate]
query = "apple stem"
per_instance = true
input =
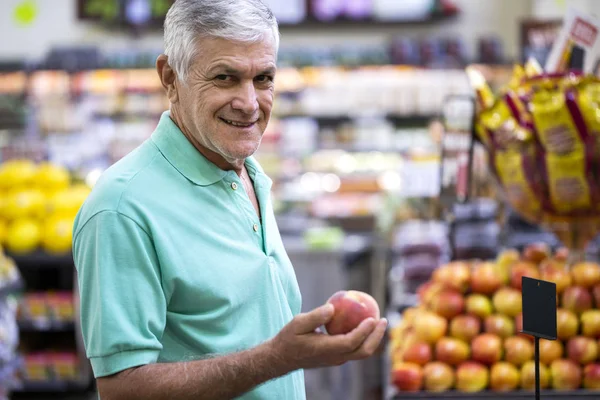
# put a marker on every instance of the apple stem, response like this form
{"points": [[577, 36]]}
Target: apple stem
{"points": [[537, 368]]}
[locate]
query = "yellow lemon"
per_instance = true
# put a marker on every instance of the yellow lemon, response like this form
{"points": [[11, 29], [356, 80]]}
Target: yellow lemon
{"points": [[23, 235], [58, 234], [25, 203], [68, 202], [16, 174], [3, 204], [51, 178], [3, 233]]}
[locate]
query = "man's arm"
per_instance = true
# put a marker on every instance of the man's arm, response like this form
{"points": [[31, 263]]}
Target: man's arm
{"points": [[297, 346]]}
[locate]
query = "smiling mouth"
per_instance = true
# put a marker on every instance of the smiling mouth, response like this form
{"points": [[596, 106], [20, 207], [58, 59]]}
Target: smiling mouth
{"points": [[238, 124]]}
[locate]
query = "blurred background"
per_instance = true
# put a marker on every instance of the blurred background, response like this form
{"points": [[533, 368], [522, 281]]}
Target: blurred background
{"points": [[368, 149]]}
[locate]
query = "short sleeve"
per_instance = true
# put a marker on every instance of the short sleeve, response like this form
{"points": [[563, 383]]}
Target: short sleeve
{"points": [[123, 306]]}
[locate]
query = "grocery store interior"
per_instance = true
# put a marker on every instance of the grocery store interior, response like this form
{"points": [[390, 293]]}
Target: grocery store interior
{"points": [[430, 153]]}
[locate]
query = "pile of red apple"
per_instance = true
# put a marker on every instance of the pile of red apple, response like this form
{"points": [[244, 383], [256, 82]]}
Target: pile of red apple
{"points": [[464, 333]]}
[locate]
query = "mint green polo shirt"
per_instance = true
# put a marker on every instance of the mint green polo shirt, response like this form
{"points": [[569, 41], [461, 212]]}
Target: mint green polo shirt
{"points": [[174, 264]]}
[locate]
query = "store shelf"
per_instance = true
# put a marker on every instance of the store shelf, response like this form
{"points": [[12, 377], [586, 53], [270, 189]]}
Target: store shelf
{"points": [[46, 326], [522, 394], [41, 259], [49, 387], [333, 120], [313, 23]]}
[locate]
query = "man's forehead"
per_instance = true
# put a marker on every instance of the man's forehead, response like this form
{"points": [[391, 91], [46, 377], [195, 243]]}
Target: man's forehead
{"points": [[215, 50]]}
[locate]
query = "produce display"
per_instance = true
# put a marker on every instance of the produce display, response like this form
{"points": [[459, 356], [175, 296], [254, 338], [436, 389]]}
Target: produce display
{"points": [[38, 204], [464, 334], [542, 133]]}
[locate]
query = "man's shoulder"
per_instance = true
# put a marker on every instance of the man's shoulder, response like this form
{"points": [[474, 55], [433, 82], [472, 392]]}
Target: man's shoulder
{"points": [[127, 180]]}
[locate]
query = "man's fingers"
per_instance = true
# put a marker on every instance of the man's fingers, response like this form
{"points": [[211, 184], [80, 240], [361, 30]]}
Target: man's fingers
{"points": [[371, 343], [351, 341], [310, 321]]}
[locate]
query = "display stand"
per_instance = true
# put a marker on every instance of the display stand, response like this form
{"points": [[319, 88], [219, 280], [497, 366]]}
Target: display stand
{"points": [[45, 272]]}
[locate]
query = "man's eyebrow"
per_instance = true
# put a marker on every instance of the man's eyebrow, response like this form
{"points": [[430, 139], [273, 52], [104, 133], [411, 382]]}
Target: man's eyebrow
{"points": [[268, 71], [228, 69]]}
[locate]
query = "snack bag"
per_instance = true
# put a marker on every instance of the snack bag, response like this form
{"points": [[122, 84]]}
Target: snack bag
{"points": [[485, 96], [532, 68], [514, 172], [587, 102], [579, 37], [553, 123], [568, 182], [585, 106], [485, 101]]}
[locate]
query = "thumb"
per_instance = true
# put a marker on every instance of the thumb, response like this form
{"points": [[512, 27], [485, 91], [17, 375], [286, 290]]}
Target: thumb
{"points": [[308, 322]]}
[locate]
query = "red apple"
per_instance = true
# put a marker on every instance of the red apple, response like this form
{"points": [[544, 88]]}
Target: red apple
{"points": [[504, 377], [550, 350], [566, 323], [505, 261], [586, 274], [407, 377], [465, 327], [471, 377], [430, 327], [536, 252], [455, 275], [418, 353], [562, 254], [528, 376], [519, 327], [508, 256], [448, 304], [590, 323], [596, 295], [566, 375], [479, 305], [520, 270], [582, 350], [438, 377], [591, 376], [500, 325], [451, 351], [508, 301], [351, 308], [486, 348], [552, 271], [518, 350], [486, 278], [577, 299], [427, 290], [412, 313]]}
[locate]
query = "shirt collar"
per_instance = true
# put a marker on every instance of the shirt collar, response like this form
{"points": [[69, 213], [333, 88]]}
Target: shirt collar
{"points": [[186, 159]]}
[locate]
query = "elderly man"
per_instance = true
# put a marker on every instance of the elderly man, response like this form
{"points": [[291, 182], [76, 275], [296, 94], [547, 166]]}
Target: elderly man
{"points": [[186, 289]]}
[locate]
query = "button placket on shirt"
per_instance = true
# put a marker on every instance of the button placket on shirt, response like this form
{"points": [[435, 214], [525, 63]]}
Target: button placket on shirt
{"points": [[255, 226]]}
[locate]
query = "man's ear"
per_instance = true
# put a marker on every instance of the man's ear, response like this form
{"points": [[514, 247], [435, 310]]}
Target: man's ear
{"points": [[167, 77]]}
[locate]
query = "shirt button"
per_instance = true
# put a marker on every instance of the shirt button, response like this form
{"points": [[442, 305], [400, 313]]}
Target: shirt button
{"points": [[234, 186], [255, 227]]}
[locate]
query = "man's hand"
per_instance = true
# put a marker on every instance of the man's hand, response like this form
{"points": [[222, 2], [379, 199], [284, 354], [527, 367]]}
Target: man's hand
{"points": [[299, 345]]}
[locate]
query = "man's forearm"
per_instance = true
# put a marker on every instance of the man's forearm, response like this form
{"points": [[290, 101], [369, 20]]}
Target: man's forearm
{"points": [[218, 378]]}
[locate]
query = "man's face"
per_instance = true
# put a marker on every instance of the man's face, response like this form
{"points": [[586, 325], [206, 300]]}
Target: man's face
{"points": [[225, 103]]}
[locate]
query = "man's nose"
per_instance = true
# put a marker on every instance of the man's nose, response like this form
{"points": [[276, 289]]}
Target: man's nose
{"points": [[245, 99]]}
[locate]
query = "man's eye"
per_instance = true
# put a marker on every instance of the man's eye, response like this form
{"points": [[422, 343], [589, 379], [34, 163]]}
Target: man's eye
{"points": [[264, 78], [223, 78]]}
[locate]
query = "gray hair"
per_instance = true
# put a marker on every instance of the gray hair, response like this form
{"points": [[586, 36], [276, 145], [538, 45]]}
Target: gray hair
{"points": [[237, 20]]}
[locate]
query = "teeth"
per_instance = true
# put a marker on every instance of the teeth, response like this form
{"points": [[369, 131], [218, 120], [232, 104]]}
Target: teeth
{"points": [[236, 123]]}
